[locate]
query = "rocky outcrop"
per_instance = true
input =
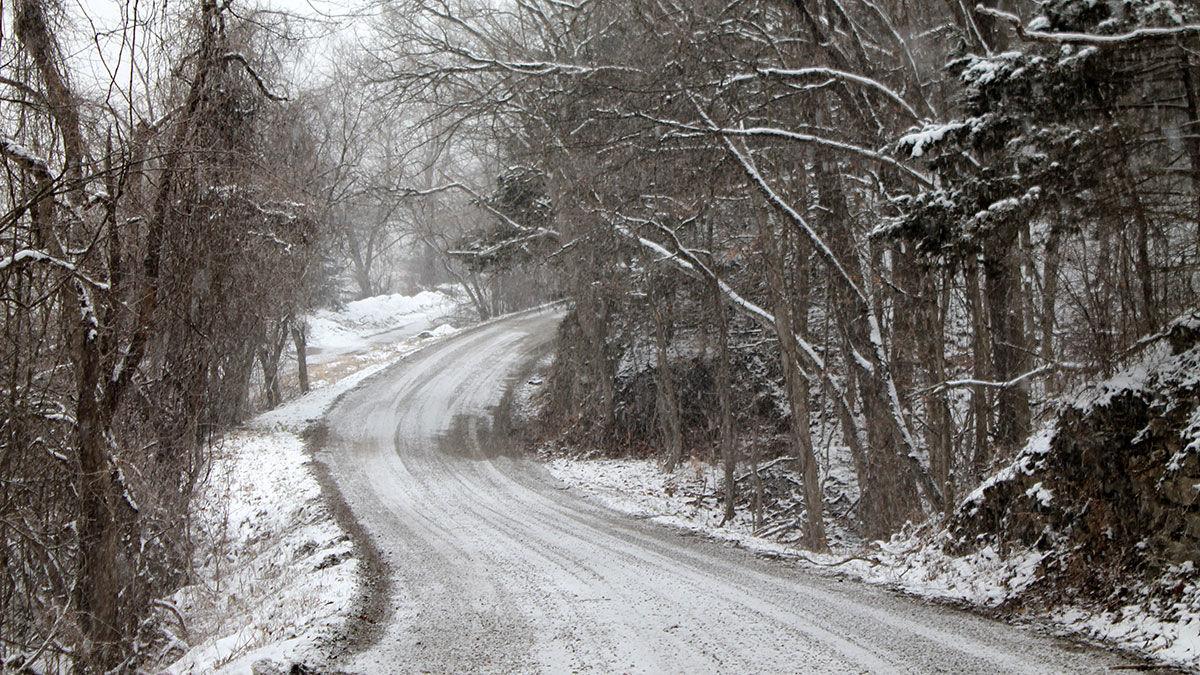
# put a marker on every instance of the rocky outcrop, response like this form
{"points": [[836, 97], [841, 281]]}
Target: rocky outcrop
{"points": [[1111, 491]]}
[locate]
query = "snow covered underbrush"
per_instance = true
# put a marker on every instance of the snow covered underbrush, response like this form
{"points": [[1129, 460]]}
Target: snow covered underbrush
{"points": [[1093, 530], [275, 577], [686, 498]]}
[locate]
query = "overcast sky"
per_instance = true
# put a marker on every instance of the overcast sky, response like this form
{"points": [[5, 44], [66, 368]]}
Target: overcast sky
{"points": [[95, 22]]}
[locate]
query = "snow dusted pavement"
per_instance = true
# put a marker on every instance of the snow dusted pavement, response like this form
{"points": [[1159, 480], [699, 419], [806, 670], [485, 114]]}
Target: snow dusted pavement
{"points": [[494, 566]]}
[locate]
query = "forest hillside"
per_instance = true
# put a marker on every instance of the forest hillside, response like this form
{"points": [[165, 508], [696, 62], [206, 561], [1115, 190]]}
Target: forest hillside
{"points": [[888, 274]]}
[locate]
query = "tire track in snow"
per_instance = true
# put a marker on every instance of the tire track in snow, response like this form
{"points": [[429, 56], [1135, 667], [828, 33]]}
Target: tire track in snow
{"points": [[496, 570]]}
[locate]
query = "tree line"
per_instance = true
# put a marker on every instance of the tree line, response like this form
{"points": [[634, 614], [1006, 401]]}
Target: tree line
{"points": [[184, 183], [902, 228], [788, 228]]}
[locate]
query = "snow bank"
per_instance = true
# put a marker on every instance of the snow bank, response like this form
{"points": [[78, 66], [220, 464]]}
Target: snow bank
{"points": [[639, 488], [276, 578], [352, 327]]}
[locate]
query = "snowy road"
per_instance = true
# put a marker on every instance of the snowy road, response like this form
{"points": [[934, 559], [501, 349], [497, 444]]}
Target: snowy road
{"points": [[495, 568]]}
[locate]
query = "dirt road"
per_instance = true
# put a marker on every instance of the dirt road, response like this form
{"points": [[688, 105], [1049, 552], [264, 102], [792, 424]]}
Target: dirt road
{"points": [[494, 567]]}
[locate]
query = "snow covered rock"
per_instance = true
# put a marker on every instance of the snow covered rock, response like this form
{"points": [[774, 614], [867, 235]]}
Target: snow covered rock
{"points": [[1107, 500], [1113, 483]]}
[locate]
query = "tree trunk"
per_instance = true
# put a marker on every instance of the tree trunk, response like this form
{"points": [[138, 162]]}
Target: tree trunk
{"points": [[917, 338], [1050, 302], [96, 586], [795, 380], [725, 397], [939, 435], [362, 267], [592, 316], [268, 356], [980, 407], [1009, 356], [300, 340], [670, 424], [1191, 131], [479, 297]]}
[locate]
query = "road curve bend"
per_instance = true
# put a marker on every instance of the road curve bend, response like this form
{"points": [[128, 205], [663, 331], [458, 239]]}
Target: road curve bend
{"points": [[493, 567]]}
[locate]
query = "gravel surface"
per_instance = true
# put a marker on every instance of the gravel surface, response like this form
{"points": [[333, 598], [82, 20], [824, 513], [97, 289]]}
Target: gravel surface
{"points": [[494, 566]]}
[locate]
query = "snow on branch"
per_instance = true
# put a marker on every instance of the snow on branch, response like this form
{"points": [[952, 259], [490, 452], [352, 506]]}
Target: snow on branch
{"points": [[24, 256], [29, 255], [686, 261], [262, 86], [794, 216], [1092, 39], [543, 67], [829, 143], [87, 312], [489, 251], [24, 158], [992, 384], [483, 203], [772, 132], [832, 73], [918, 142]]}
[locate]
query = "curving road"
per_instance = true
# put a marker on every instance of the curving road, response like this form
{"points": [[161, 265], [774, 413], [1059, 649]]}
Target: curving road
{"points": [[494, 569]]}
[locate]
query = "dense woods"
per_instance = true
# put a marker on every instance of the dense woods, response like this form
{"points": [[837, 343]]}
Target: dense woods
{"points": [[174, 208], [904, 230], [156, 252], [804, 234]]}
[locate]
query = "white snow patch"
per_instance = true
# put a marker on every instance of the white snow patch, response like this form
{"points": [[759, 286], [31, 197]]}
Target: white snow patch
{"points": [[984, 578], [1040, 493], [277, 575], [1174, 641], [367, 323], [640, 488], [1027, 461], [918, 142]]}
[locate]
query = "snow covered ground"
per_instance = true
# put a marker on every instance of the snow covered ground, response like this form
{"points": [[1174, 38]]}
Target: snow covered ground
{"points": [[1158, 618], [910, 563], [376, 322], [639, 487], [275, 576]]}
